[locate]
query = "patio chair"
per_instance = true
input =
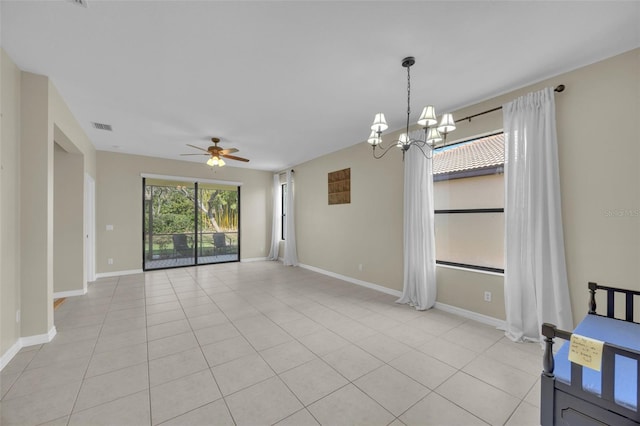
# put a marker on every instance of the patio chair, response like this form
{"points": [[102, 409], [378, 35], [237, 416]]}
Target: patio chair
{"points": [[181, 246], [219, 242]]}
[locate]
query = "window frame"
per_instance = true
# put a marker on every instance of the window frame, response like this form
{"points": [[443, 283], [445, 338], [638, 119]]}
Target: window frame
{"points": [[469, 174]]}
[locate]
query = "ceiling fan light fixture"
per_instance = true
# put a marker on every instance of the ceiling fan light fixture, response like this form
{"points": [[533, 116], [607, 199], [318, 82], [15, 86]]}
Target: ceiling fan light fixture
{"points": [[215, 161]]}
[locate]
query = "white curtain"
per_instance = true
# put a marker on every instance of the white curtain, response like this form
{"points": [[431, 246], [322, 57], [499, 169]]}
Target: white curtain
{"points": [[536, 288], [419, 235], [290, 252], [277, 219]]}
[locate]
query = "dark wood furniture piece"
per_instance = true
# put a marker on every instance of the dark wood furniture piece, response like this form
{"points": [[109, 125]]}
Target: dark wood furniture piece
{"points": [[584, 396]]}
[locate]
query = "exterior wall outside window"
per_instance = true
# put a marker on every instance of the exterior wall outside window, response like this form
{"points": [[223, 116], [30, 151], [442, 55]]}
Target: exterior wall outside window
{"points": [[465, 236], [470, 238]]}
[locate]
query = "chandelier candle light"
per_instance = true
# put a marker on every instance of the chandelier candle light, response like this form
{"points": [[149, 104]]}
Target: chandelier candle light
{"points": [[434, 133]]}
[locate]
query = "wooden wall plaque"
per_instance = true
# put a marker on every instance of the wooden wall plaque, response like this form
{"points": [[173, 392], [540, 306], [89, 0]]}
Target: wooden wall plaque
{"points": [[340, 187]]}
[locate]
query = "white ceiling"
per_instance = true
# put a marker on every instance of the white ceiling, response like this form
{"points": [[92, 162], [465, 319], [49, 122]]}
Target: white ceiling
{"points": [[285, 82]]}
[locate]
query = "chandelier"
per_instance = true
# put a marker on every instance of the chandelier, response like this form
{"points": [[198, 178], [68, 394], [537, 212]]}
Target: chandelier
{"points": [[434, 133]]}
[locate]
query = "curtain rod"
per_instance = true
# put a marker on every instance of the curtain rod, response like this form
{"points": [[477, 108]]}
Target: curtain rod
{"points": [[558, 89]]}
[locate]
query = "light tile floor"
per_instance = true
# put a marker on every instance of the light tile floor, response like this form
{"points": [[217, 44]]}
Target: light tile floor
{"points": [[260, 344]]}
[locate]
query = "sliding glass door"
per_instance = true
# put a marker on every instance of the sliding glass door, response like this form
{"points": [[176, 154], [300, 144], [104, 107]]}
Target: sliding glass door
{"points": [[218, 220], [187, 223]]}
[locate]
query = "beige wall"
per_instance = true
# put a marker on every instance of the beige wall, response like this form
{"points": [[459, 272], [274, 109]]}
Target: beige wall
{"points": [[599, 175], [69, 135], [119, 203], [36, 206], [33, 116], [367, 232], [9, 202], [68, 233]]}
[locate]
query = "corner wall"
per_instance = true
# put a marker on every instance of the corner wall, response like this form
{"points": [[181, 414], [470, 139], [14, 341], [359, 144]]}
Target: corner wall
{"points": [[36, 207], [368, 231], [9, 202]]}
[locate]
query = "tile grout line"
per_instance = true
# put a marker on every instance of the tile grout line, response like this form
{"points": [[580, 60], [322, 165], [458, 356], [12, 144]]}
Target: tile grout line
{"points": [[84, 376], [222, 396]]}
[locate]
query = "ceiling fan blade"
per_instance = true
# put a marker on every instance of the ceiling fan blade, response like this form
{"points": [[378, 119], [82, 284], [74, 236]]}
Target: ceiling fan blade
{"points": [[228, 151], [196, 154], [233, 157], [197, 147]]}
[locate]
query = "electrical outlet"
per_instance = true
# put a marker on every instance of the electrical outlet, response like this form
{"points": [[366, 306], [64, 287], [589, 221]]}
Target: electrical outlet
{"points": [[110, 261], [487, 296], [360, 267], [18, 316]]}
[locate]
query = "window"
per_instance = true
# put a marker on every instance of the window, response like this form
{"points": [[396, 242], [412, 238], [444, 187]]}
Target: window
{"points": [[469, 204], [283, 199]]}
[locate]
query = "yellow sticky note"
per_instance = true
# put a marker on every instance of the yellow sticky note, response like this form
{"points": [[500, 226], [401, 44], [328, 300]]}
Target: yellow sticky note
{"points": [[586, 351]]}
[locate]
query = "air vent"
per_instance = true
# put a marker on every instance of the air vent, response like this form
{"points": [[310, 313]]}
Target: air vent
{"points": [[82, 3], [101, 126]]}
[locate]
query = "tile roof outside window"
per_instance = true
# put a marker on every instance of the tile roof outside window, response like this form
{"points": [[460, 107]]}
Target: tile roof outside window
{"points": [[483, 153]]}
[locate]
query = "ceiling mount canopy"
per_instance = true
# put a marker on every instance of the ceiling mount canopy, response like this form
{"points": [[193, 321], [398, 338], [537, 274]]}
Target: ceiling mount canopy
{"points": [[434, 133]]}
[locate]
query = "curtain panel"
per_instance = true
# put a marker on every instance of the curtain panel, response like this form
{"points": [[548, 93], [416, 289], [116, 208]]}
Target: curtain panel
{"points": [[290, 250], [277, 220], [419, 287], [536, 288]]}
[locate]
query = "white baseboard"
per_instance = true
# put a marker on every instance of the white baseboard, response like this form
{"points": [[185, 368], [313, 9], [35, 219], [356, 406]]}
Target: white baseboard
{"points": [[118, 273], [353, 280], [39, 339], [24, 342], [485, 319], [70, 293], [9, 354], [253, 259]]}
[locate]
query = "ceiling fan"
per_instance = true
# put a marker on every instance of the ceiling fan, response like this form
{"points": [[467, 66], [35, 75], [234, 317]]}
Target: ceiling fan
{"points": [[216, 154]]}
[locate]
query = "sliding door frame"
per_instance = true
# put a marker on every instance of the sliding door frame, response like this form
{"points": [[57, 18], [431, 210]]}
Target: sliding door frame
{"points": [[196, 241]]}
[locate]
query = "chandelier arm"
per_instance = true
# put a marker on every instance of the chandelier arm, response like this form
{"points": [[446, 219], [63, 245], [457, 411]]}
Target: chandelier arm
{"points": [[426, 154], [384, 152]]}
